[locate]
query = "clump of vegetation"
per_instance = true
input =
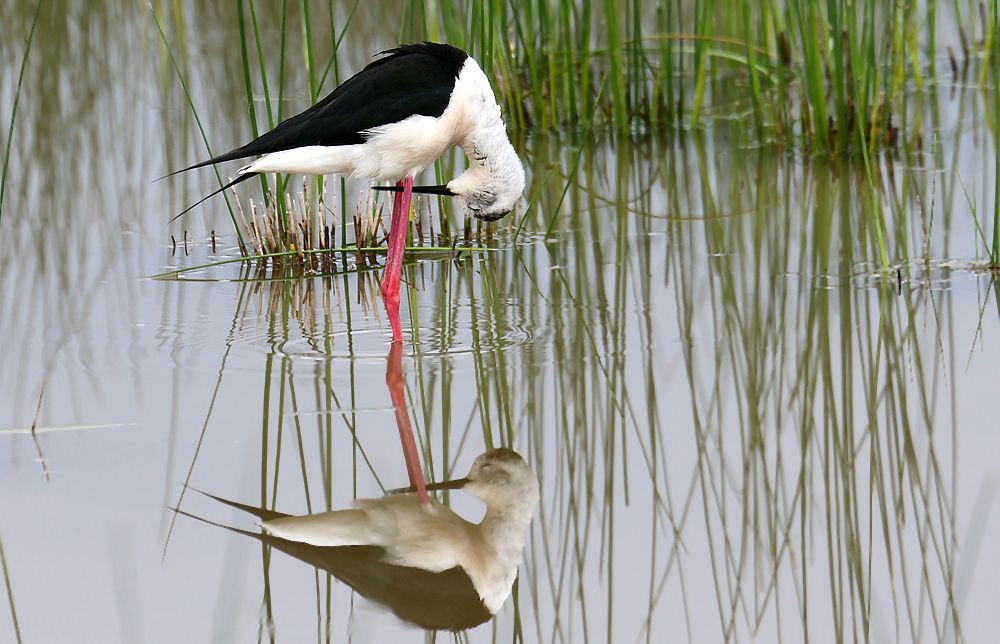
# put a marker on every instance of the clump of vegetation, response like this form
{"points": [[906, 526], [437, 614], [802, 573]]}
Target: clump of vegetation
{"points": [[300, 224], [303, 223]]}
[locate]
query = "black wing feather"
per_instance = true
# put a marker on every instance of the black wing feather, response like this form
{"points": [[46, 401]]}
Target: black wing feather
{"points": [[240, 179], [408, 80], [444, 600]]}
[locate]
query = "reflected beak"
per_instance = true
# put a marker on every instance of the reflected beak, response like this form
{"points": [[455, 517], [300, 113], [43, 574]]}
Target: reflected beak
{"points": [[454, 484], [426, 190]]}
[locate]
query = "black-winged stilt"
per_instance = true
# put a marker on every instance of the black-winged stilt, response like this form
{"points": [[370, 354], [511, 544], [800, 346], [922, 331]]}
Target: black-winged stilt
{"points": [[389, 122], [431, 536]]}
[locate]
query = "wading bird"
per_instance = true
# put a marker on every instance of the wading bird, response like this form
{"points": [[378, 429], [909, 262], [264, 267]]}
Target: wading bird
{"points": [[432, 538], [389, 122], [444, 600]]}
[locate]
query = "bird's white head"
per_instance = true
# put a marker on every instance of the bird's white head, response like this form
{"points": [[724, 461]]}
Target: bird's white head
{"points": [[501, 477], [494, 180]]}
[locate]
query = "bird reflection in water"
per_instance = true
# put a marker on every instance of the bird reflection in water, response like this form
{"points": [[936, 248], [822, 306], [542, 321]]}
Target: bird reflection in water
{"points": [[422, 561]]}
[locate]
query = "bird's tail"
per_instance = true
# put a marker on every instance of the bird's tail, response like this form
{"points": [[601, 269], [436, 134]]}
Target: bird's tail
{"points": [[337, 528], [262, 513], [253, 148], [246, 533], [239, 179]]}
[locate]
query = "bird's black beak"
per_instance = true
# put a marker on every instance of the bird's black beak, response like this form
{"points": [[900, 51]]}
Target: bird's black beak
{"points": [[425, 190], [453, 484]]}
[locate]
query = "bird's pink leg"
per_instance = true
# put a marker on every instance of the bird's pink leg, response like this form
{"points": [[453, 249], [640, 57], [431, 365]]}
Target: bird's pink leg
{"points": [[394, 381], [394, 261]]}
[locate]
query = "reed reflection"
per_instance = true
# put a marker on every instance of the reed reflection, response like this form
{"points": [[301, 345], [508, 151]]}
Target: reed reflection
{"points": [[703, 378]]}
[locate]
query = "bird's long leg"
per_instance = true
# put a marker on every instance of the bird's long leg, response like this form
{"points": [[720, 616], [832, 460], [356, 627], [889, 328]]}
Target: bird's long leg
{"points": [[394, 381], [394, 261]]}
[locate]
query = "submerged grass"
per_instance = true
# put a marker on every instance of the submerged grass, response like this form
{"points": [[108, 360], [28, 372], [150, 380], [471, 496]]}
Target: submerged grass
{"points": [[304, 260]]}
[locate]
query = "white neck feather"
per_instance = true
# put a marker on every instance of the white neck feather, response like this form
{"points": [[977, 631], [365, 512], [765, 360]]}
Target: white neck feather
{"points": [[504, 528], [490, 153], [495, 174]]}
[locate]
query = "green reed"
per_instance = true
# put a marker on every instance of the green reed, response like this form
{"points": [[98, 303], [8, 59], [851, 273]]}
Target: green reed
{"points": [[993, 101], [194, 112], [248, 86]]}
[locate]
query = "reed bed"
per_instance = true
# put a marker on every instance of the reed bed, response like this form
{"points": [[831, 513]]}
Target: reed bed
{"points": [[830, 76], [822, 75], [848, 78]]}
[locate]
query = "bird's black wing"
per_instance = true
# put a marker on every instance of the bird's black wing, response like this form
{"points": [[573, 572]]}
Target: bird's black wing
{"points": [[444, 600], [408, 80]]}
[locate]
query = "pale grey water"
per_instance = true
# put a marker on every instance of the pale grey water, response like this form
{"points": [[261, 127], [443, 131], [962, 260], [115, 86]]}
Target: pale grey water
{"points": [[729, 411]]}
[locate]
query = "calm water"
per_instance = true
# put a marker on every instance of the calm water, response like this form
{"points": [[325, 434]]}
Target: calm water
{"points": [[742, 430]]}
